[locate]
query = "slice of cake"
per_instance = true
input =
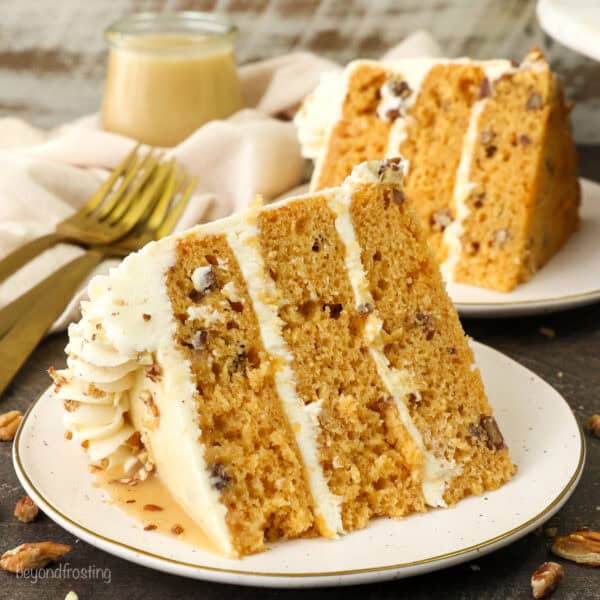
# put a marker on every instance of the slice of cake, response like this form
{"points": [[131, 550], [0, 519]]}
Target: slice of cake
{"points": [[493, 168], [292, 371]]}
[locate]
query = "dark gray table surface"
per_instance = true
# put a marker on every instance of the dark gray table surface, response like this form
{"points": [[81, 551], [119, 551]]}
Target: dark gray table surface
{"points": [[574, 352]]}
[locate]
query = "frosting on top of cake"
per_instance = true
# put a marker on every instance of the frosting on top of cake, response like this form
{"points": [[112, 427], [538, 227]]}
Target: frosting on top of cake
{"points": [[390, 170]]}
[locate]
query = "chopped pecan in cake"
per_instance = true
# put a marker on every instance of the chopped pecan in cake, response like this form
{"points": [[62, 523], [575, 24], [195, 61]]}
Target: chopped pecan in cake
{"points": [[534, 102], [494, 441]]}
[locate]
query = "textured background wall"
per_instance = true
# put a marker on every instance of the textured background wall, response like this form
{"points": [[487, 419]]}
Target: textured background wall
{"points": [[52, 54]]}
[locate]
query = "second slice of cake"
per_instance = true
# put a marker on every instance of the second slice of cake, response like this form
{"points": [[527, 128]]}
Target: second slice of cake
{"points": [[493, 168]]}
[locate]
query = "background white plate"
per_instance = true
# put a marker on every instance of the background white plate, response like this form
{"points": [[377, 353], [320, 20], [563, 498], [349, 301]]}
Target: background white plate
{"points": [[571, 278], [540, 429], [574, 23]]}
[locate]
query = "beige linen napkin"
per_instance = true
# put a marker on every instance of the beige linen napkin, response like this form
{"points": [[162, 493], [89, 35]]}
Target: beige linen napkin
{"points": [[45, 175]]}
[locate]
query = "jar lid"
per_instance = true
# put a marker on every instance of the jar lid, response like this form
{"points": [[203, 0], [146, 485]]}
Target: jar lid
{"points": [[188, 26]]}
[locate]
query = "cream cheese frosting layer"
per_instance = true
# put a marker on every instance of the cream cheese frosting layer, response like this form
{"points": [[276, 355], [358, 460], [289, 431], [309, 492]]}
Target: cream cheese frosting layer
{"points": [[399, 382], [463, 186], [462, 189], [302, 419]]}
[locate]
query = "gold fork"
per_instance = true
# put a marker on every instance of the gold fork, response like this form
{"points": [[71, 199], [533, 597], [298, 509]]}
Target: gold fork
{"points": [[48, 299], [11, 312], [107, 216]]}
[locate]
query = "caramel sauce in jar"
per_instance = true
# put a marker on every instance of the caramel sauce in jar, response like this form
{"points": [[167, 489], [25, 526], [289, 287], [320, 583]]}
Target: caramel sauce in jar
{"points": [[168, 74]]}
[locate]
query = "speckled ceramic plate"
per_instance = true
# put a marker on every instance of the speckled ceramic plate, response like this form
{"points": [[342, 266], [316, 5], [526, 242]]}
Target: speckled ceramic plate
{"points": [[571, 278], [540, 429], [574, 23]]}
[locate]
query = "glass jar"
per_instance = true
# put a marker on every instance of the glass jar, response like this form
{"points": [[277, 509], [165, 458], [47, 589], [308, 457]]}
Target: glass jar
{"points": [[168, 74]]}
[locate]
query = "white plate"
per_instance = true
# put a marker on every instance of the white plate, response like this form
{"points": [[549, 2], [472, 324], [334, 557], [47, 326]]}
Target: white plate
{"points": [[571, 278], [574, 23], [540, 429]]}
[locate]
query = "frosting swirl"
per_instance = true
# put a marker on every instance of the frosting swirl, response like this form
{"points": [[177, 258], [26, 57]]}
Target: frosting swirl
{"points": [[95, 388]]}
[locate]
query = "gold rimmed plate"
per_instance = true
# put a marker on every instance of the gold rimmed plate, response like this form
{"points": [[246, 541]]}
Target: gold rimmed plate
{"points": [[544, 439], [570, 279]]}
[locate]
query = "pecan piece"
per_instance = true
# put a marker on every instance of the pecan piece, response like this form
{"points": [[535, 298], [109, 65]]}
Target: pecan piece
{"points": [[393, 196], [365, 309], [199, 339], [495, 441], [335, 310], [545, 579], [440, 219], [154, 372], [594, 425], [148, 399], [478, 199], [547, 332], [26, 510], [9, 423], [393, 163], [318, 243], [485, 89], [37, 555], [220, 478], [134, 441], [524, 140], [534, 102], [400, 88], [581, 546], [490, 150], [426, 322], [487, 137], [204, 279]]}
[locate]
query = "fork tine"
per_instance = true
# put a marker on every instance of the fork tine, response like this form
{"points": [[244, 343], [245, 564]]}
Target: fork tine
{"points": [[151, 198], [147, 169], [105, 209], [102, 192], [143, 205], [171, 220], [162, 206]]}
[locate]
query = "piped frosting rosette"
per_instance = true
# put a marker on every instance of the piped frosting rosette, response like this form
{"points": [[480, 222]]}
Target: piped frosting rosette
{"points": [[95, 389]]}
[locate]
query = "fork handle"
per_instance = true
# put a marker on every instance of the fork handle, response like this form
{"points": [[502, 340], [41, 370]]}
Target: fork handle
{"points": [[11, 312], [29, 329], [22, 255]]}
